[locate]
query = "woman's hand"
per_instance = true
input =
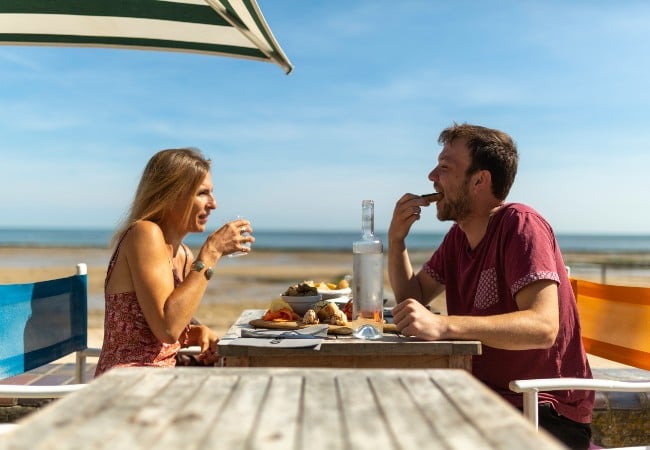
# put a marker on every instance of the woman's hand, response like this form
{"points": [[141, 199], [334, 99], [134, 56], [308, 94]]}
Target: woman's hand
{"points": [[228, 239], [205, 338]]}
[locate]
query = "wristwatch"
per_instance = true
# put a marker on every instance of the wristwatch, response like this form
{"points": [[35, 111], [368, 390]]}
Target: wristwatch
{"points": [[199, 265]]}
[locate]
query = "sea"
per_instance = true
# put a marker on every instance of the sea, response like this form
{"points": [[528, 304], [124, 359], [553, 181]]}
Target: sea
{"points": [[311, 240]]}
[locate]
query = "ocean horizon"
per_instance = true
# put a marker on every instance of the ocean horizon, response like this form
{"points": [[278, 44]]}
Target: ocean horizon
{"points": [[311, 240]]}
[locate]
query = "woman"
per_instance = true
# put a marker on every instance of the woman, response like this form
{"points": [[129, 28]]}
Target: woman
{"points": [[154, 284]]}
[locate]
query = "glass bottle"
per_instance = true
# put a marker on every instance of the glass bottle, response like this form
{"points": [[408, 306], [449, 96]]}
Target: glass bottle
{"points": [[368, 277]]}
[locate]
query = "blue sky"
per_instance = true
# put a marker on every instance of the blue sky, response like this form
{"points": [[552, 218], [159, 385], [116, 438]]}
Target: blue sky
{"points": [[374, 84]]}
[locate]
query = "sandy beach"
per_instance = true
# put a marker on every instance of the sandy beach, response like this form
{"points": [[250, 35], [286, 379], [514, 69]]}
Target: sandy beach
{"points": [[252, 281]]}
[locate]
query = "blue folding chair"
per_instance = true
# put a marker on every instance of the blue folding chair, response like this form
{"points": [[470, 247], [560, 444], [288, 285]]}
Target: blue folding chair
{"points": [[41, 322]]}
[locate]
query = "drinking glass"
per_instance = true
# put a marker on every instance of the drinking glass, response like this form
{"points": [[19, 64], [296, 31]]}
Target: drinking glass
{"points": [[246, 244]]}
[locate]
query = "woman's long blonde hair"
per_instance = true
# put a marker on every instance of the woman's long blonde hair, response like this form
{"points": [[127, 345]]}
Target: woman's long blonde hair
{"points": [[170, 175]]}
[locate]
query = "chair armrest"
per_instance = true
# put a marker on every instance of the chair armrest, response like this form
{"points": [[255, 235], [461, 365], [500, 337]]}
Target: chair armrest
{"points": [[561, 384], [29, 391], [530, 389]]}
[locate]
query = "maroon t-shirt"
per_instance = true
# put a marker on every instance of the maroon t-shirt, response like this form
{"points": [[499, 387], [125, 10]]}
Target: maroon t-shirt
{"points": [[518, 248]]}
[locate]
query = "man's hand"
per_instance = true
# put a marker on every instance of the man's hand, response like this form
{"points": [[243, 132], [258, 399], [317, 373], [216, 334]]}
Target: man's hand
{"points": [[406, 213], [412, 318]]}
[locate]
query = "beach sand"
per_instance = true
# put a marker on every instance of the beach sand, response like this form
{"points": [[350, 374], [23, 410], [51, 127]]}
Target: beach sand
{"points": [[246, 282]]}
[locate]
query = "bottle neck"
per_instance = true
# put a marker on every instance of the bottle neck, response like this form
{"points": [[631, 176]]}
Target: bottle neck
{"points": [[368, 219]]}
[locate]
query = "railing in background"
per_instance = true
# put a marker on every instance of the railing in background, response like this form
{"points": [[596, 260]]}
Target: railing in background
{"points": [[614, 272]]}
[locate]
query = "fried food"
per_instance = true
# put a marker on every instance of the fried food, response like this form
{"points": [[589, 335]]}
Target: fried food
{"points": [[343, 284], [310, 318], [338, 318], [327, 310]]}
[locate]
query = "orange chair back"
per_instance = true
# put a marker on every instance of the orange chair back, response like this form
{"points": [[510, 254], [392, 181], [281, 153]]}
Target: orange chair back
{"points": [[615, 321]]}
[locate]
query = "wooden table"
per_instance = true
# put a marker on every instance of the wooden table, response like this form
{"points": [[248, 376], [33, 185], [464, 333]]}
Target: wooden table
{"points": [[280, 408], [392, 351]]}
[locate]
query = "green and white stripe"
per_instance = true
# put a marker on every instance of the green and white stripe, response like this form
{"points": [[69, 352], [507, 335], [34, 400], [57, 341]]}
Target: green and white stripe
{"points": [[233, 28]]}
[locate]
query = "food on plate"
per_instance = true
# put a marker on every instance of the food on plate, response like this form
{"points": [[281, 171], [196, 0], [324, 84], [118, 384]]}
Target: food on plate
{"points": [[329, 286], [325, 311], [280, 311], [310, 318], [325, 286], [338, 318], [301, 290], [343, 284]]}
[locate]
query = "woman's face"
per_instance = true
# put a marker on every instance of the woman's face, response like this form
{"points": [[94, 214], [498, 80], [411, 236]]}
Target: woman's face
{"points": [[202, 204]]}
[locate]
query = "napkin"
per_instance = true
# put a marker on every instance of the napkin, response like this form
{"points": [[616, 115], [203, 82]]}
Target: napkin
{"points": [[312, 332], [309, 343], [309, 337]]}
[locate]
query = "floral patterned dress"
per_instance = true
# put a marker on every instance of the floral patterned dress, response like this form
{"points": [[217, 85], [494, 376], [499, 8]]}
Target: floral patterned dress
{"points": [[128, 340]]}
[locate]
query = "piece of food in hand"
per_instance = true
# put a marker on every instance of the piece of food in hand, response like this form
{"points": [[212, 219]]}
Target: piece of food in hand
{"points": [[434, 197], [280, 311], [310, 318], [300, 290], [338, 318]]}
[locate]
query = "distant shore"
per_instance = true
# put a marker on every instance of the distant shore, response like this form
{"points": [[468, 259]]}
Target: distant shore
{"points": [[252, 281]]}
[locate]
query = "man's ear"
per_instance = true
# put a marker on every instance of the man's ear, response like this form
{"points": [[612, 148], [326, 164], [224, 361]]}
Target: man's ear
{"points": [[483, 179]]}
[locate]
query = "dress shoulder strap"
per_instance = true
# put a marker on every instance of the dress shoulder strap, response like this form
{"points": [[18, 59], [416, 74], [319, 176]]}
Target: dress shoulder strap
{"points": [[185, 263], [111, 264]]}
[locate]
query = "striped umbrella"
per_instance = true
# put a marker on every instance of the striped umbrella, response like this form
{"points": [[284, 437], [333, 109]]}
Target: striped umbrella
{"points": [[233, 28]]}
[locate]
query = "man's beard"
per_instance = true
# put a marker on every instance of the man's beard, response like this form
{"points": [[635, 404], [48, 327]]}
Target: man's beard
{"points": [[456, 209]]}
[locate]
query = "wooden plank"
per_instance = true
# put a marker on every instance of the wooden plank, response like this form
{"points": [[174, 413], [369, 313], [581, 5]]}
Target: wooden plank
{"points": [[396, 405], [237, 420], [490, 415], [365, 362], [321, 419], [448, 424], [48, 430], [281, 408], [363, 427], [147, 412], [197, 416], [277, 426]]}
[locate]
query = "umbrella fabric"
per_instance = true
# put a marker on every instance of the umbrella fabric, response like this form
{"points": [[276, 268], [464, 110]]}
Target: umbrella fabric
{"points": [[234, 28]]}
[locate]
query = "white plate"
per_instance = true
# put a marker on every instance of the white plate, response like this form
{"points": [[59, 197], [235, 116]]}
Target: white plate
{"points": [[300, 304], [334, 293], [302, 298]]}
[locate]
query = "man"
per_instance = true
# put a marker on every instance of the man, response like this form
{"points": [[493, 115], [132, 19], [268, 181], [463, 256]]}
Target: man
{"points": [[503, 276]]}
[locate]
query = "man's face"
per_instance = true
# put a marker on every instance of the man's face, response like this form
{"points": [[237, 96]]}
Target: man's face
{"points": [[450, 177]]}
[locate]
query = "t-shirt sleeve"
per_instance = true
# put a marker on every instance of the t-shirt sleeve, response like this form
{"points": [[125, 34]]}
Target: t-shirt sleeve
{"points": [[529, 251], [435, 266]]}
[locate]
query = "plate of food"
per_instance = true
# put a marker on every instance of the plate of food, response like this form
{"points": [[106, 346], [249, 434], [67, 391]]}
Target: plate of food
{"points": [[281, 315], [330, 290]]}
